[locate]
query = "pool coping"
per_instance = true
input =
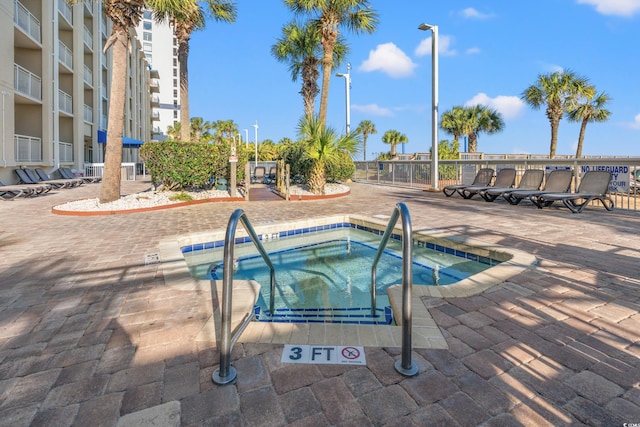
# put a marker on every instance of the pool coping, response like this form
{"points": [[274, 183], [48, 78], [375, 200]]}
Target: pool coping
{"points": [[425, 332]]}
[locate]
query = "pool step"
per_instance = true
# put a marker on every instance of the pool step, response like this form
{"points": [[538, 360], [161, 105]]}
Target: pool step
{"points": [[360, 316]]}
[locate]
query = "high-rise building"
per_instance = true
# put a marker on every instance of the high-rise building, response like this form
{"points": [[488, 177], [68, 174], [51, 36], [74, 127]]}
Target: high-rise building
{"points": [[55, 81], [160, 47]]}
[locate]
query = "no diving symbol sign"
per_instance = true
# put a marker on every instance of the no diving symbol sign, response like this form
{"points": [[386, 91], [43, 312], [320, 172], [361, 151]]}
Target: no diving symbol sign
{"points": [[323, 354], [350, 353]]}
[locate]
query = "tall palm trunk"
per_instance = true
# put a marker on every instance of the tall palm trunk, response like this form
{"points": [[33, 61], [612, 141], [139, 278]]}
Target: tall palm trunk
{"points": [[554, 138], [473, 143], [583, 129], [110, 187], [183, 58], [328, 42]]}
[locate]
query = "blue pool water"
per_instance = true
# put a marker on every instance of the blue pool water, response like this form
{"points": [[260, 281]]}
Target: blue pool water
{"points": [[326, 276]]}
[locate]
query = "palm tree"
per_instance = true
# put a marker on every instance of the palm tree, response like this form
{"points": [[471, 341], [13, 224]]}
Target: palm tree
{"points": [[366, 128], [324, 146], [557, 91], [173, 132], [300, 46], [224, 129], [480, 118], [394, 137], [329, 15], [185, 22], [453, 121], [125, 16], [199, 127], [591, 110]]}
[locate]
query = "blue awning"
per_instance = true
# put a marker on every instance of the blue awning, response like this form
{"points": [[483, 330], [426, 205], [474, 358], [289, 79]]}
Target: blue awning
{"points": [[126, 141]]}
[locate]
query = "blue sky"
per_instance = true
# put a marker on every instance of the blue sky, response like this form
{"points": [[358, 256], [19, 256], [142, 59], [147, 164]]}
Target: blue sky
{"points": [[489, 53]]}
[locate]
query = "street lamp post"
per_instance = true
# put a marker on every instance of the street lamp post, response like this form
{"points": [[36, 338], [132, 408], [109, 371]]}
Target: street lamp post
{"points": [[256, 126], [246, 138], [347, 82], [434, 102]]}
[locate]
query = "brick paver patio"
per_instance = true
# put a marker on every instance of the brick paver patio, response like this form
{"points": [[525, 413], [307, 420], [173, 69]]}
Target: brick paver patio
{"points": [[91, 336]]}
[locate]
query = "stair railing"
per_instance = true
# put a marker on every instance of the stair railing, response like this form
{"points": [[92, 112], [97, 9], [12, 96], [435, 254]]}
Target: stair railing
{"points": [[226, 373], [405, 366]]}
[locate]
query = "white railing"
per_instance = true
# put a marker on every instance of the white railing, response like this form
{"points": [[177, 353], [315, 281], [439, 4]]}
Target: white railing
{"points": [[65, 10], [88, 38], [27, 83], [89, 6], [88, 75], [65, 55], [103, 122], [88, 114], [417, 173], [156, 129], [155, 99], [155, 115], [65, 102], [65, 152], [27, 21], [28, 148], [128, 170]]}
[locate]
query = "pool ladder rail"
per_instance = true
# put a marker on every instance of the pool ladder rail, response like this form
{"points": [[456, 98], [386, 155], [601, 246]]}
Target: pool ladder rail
{"points": [[227, 374]]}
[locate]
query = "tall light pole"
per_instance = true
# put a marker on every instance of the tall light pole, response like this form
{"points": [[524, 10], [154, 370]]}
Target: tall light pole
{"points": [[256, 126], [347, 82], [434, 102], [246, 139]]}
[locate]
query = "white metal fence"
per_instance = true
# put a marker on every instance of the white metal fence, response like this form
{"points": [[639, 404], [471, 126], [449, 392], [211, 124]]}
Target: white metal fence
{"points": [[128, 170]]}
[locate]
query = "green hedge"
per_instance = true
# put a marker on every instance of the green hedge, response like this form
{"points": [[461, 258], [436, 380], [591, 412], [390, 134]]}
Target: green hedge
{"points": [[180, 165]]}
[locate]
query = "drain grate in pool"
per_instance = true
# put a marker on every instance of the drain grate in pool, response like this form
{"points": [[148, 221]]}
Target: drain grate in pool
{"points": [[352, 315]]}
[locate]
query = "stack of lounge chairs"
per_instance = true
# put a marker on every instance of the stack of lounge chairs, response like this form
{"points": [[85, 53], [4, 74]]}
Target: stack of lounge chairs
{"points": [[594, 186], [35, 181]]}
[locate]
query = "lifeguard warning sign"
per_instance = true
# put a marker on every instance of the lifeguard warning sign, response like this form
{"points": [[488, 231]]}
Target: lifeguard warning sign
{"points": [[324, 354], [620, 176]]}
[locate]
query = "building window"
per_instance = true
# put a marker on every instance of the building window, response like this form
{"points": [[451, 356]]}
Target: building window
{"points": [[175, 51], [148, 56], [175, 72], [175, 93], [175, 114], [147, 25], [147, 14], [175, 82], [147, 47], [147, 36], [175, 62], [175, 41]]}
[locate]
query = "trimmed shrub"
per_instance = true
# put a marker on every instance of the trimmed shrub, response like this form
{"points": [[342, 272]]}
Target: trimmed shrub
{"points": [[177, 165]]}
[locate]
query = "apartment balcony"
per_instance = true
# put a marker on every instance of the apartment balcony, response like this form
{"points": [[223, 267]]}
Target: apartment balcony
{"points": [[154, 74], [65, 152], [155, 101], [65, 102], [66, 13], [155, 116], [88, 39], [26, 83], [88, 7], [88, 114], [154, 86], [28, 23], [156, 130], [65, 56], [88, 76], [28, 148], [103, 122]]}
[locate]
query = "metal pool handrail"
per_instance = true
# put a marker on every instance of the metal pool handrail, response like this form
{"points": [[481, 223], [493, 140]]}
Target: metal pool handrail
{"points": [[226, 373], [404, 366]]}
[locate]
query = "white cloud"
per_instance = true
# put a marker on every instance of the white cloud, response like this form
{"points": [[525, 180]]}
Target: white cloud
{"points": [[474, 14], [389, 59], [444, 46], [473, 50], [373, 109], [614, 7], [509, 106], [636, 122]]}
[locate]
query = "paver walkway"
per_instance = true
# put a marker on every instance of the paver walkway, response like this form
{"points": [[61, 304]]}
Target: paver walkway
{"points": [[91, 336]]}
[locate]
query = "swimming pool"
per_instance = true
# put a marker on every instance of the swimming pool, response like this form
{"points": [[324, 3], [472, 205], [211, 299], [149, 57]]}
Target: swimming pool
{"points": [[323, 273]]}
